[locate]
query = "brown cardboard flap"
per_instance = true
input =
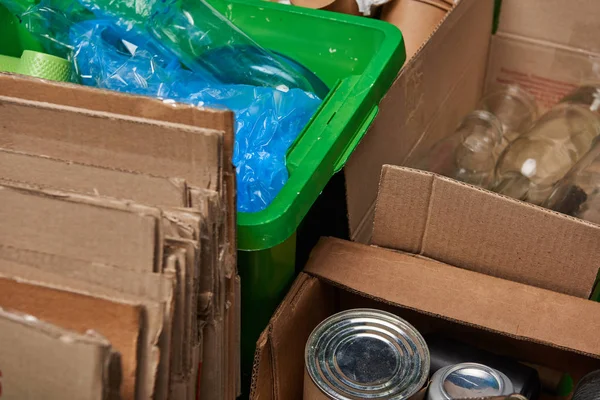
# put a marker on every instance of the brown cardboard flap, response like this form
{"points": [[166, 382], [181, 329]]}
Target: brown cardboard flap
{"points": [[470, 228], [81, 178], [113, 141], [39, 360], [433, 92], [572, 23], [493, 304]]}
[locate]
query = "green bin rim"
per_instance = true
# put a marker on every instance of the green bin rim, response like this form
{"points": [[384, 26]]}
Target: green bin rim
{"points": [[273, 225]]}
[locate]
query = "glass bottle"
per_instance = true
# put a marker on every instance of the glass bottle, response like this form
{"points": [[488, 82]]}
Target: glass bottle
{"points": [[537, 159], [578, 193], [515, 108], [468, 154]]}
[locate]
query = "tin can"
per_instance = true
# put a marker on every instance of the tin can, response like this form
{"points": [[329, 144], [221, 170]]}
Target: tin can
{"points": [[468, 380], [365, 354]]}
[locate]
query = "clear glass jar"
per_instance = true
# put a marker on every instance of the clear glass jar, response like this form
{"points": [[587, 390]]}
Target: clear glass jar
{"points": [[533, 163], [515, 108], [468, 154]]}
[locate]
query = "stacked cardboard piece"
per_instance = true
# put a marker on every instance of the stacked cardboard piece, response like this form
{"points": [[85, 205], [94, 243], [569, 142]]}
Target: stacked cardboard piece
{"points": [[117, 246]]}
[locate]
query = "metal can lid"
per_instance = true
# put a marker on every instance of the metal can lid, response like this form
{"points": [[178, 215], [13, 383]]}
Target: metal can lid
{"points": [[469, 380], [367, 354]]}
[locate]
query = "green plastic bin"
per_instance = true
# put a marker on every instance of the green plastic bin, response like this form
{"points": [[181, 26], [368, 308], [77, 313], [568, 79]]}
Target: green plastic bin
{"points": [[358, 58]]}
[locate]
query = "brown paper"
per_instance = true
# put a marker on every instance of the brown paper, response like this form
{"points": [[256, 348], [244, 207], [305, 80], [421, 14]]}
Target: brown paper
{"points": [[417, 19]]}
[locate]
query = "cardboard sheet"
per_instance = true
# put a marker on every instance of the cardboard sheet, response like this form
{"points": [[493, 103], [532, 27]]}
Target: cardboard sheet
{"points": [[42, 360], [114, 141], [156, 306], [85, 179], [59, 225], [119, 323], [136, 106]]}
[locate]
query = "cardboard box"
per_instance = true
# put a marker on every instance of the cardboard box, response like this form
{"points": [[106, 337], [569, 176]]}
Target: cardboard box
{"points": [[42, 359], [548, 47], [488, 286], [471, 228], [508, 318]]}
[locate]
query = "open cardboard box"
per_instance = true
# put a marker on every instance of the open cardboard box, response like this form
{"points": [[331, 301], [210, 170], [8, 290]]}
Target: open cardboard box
{"points": [[475, 295], [549, 47]]}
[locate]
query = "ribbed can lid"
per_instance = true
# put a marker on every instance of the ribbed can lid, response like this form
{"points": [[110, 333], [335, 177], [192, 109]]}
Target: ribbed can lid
{"points": [[367, 354]]}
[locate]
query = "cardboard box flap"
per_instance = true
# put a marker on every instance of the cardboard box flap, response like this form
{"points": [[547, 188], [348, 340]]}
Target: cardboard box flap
{"points": [[42, 360], [427, 286], [464, 226], [572, 23], [114, 141]]}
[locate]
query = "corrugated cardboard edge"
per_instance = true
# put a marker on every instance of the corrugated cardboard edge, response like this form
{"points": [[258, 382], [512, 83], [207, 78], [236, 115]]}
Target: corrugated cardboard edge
{"points": [[454, 290], [472, 228]]}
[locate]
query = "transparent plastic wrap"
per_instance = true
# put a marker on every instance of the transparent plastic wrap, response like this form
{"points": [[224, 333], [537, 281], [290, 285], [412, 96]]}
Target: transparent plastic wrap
{"points": [[267, 120], [206, 42]]}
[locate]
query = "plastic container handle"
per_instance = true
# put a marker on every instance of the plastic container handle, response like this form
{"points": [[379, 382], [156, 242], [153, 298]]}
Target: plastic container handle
{"points": [[360, 133]]}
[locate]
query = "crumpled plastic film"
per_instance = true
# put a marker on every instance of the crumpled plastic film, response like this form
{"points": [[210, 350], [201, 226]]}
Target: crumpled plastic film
{"points": [[267, 120]]}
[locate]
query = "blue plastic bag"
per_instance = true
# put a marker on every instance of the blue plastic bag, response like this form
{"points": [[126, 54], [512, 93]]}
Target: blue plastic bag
{"points": [[267, 120]]}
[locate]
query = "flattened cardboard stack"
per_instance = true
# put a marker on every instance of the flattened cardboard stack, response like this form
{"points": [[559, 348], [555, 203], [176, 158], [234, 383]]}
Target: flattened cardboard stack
{"points": [[117, 245]]}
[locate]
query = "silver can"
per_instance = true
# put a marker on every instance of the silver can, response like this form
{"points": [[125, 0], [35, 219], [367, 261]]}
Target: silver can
{"points": [[365, 354], [467, 381]]}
